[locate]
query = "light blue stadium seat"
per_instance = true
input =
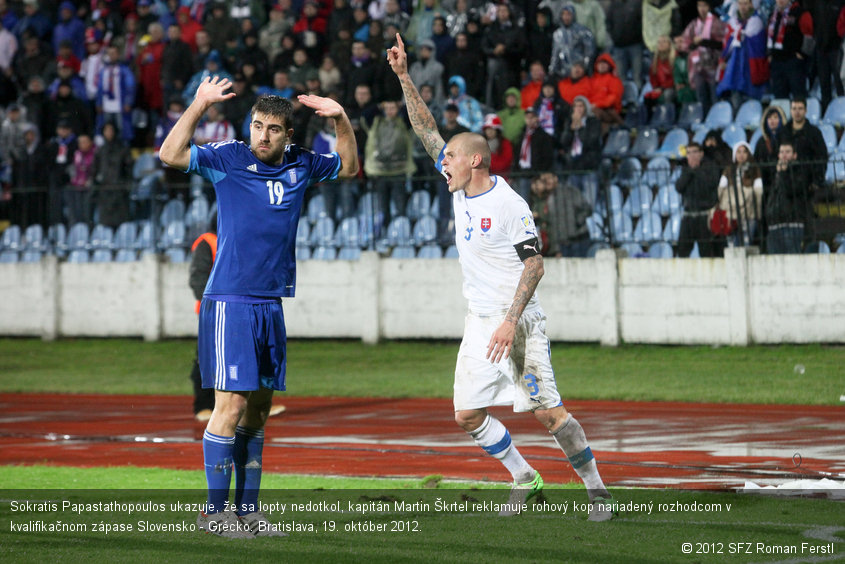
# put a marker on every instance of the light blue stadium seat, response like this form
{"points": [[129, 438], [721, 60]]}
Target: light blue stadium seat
{"points": [[174, 235], [429, 252], [399, 232], [749, 114], [197, 212], [596, 247], [34, 238], [691, 116], [700, 134], [8, 256], [101, 255], [732, 135], [174, 210], [12, 239], [317, 208], [77, 237], [695, 253], [783, 104], [835, 171], [618, 143], [630, 93], [646, 143], [322, 235], [672, 231], [303, 253], [57, 237], [595, 226], [657, 172], [633, 250], [672, 143], [125, 255], [663, 117], [835, 112], [661, 250], [622, 228], [324, 253], [829, 135], [32, 255], [721, 115], [814, 110], [176, 254], [349, 233], [101, 237], [667, 202], [403, 252], [303, 232], [649, 228], [425, 230], [817, 247], [755, 138], [638, 202], [349, 253], [78, 256], [840, 250], [124, 237], [419, 204], [145, 237], [451, 252], [629, 173]]}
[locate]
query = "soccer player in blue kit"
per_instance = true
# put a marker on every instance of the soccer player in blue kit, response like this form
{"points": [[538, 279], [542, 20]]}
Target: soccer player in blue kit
{"points": [[260, 190], [504, 358]]}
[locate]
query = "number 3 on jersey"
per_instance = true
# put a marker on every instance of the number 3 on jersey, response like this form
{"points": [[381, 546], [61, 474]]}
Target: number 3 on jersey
{"points": [[277, 192]]}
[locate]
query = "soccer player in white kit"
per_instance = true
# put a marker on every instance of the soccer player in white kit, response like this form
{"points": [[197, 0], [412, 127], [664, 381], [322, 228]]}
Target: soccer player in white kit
{"points": [[504, 357]]}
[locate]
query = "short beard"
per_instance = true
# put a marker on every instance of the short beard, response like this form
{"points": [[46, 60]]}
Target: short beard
{"points": [[272, 159]]}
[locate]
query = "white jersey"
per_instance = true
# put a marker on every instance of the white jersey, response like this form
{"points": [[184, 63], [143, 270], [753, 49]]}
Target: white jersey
{"points": [[487, 229]]}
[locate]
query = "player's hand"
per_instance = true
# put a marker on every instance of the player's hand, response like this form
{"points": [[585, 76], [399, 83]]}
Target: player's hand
{"points": [[213, 90], [397, 58], [323, 107], [501, 342]]}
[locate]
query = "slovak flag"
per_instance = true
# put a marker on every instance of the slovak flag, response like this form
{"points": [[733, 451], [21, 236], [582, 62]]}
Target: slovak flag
{"points": [[485, 224]]}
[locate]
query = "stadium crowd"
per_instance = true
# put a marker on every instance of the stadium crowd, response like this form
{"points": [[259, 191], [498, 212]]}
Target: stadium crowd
{"points": [[89, 89]]}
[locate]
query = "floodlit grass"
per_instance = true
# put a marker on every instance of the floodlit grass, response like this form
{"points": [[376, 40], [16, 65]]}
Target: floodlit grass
{"points": [[417, 524], [425, 369]]}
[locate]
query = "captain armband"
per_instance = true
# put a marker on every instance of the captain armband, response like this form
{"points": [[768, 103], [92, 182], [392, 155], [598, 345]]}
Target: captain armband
{"points": [[528, 248]]}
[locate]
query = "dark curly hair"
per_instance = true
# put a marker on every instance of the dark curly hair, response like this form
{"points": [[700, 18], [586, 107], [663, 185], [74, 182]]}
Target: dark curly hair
{"points": [[275, 106]]}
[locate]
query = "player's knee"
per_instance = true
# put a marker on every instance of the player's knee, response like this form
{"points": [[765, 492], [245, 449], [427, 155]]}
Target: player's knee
{"points": [[551, 419], [470, 419]]}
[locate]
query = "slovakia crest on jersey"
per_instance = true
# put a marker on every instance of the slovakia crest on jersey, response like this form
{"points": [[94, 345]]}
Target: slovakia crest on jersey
{"points": [[485, 224]]}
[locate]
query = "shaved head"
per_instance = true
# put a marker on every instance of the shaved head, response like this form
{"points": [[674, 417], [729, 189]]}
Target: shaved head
{"points": [[472, 144]]}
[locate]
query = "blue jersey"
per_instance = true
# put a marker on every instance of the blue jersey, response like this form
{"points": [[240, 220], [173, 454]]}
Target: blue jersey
{"points": [[258, 207]]}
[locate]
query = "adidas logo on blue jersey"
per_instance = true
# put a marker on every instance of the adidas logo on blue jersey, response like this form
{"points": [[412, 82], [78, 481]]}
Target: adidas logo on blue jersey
{"points": [[253, 168]]}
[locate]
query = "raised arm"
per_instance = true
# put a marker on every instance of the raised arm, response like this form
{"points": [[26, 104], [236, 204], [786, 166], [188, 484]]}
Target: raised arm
{"points": [[502, 339], [347, 147], [175, 150], [421, 119]]}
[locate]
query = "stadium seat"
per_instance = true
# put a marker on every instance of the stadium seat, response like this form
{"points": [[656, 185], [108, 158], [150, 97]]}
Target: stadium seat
{"points": [[124, 237], [595, 226], [629, 174], [646, 143], [700, 134], [657, 172], [663, 117], [77, 237], [403, 252], [661, 250], [323, 233], [12, 239], [721, 115], [418, 205], [31, 255], [78, 256], [174, 235], [303, 253], [841, 249], [649, 228], [303, 232], [196, 217], [732, 135], [125, 255], [835, 172], [672, 231], [144, 240], [8, 256], [672, 143], [695, 253], [176, 254], [783, 104], [835, 112], [638, 202], [366, 231], [316, 208], [324, 253], [755, 138], [349, 253], [630, 93], [749, 114], [101, 237], [57, 237], [814, 110], [399, 232], [425, 231], [34, 238], [451, 252], [429, 251], [617, 199], [667, 202], [622, 228], [633, 250], [817, 247], [596, 247], [829, 135], [101, 255], [348, 233], [174, 210], [691, 116], [618, 143]]}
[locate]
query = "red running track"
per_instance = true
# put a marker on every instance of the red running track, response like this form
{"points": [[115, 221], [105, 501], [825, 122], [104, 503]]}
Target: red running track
{"points": [[663, 444]]}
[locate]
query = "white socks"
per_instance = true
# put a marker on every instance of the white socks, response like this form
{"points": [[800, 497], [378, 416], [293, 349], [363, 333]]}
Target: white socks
{"points": [[494, 438], [572, 440]]}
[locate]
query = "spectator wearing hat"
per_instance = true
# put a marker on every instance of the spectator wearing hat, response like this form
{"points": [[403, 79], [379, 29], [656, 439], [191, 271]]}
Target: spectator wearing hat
{"points": [[534, 152], [501, 150], [213, 67], [551, 109], [576, 84], [175, 74], [468, 64], [188, 27], [503, 43], [427, 70], [69, 28], [67, 107], [470, 114], [606, 91], [571, 43], [116, 94], [512, 115], [92, 64], [65, 72]]}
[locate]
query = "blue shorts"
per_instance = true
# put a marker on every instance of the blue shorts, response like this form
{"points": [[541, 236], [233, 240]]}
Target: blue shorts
{"points": [[242, 346]]}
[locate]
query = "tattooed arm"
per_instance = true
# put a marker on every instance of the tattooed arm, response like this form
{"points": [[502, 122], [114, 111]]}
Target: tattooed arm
{"points": [[502, 339], [421, 119]]}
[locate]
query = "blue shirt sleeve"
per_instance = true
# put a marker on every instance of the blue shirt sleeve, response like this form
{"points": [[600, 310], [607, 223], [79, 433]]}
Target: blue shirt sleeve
{"points": [[324, 167], [208, 160], [438, 164]]}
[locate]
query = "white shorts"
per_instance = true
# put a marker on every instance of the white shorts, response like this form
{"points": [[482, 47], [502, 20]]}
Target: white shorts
{"points": [[525, 379]]}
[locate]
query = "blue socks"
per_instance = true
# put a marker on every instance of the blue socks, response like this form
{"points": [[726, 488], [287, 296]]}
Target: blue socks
{"points": [[248, 446], [217, 454]]}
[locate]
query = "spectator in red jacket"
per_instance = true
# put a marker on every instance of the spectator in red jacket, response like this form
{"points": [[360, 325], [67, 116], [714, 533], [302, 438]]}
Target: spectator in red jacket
{"points": [[501, 150], [577, 84], [606, 91]]}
